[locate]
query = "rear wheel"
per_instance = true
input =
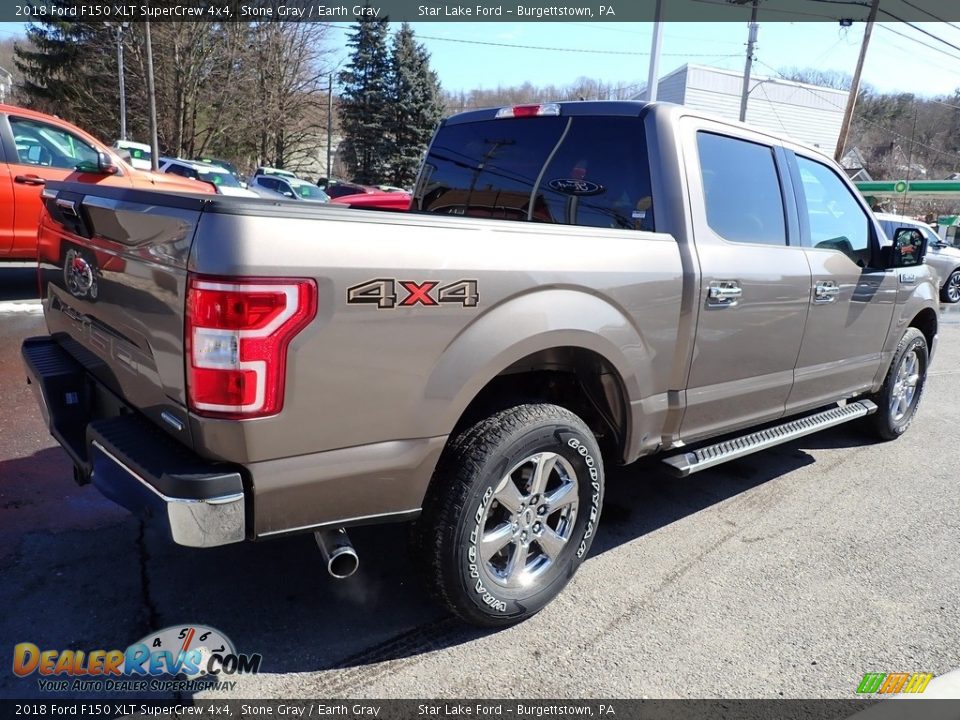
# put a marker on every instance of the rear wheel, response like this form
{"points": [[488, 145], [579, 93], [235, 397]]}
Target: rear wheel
{"points": [[511, 512], [950, 292], [900, 395]]}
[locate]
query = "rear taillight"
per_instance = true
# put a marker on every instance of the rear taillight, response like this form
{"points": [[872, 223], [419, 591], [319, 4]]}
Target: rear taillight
{"points": [[521, 111], [236, 337]]}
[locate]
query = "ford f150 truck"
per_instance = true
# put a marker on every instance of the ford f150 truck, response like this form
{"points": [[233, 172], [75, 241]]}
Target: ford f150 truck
{"points": [[577, 285]]}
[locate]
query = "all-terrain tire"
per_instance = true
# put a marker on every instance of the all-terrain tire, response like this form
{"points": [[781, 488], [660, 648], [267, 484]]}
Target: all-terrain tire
{"points": [[524, 477], [900, 394]]}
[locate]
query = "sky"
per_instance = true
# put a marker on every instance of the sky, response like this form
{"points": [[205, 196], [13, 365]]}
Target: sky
{"points": [[899, 58]]}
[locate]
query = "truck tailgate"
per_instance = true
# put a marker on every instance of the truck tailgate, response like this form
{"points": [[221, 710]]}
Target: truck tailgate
{"points": [[113, 274]]}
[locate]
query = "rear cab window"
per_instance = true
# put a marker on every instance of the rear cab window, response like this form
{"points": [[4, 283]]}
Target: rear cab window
{"points": [[580, 170]]}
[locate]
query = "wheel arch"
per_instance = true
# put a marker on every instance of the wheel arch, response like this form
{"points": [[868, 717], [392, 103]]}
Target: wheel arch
{"points": [[926, 322], [534, 348]]}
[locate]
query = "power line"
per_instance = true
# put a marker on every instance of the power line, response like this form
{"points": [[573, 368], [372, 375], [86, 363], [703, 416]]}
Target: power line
{"points": [[920, 29], [930, 14], [919, 42], [722, 3], [826, 99]]}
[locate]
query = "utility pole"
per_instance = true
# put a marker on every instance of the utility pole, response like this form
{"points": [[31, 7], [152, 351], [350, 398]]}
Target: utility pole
{"points": [[329, 125], [751, 42], [855, 85], [151, 93], [123, 95], [656, 42]]}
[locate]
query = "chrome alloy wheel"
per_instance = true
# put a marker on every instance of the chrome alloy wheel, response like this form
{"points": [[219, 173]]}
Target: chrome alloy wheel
{"points": [[905, 386], [528, 520], [953, 286]]}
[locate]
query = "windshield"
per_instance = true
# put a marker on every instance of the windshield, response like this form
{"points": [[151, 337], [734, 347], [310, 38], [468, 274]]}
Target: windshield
{"points": [[309, 192], [221, 178]]}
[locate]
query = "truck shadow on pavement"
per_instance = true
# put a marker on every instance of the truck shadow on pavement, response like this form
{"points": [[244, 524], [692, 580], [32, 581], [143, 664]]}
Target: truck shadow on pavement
{"points": [[18, 283], [88, 575]]}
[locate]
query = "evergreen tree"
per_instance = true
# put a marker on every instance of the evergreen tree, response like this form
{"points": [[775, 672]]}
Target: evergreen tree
{"points": [[416, 106], [365, 102], [69, 69]]}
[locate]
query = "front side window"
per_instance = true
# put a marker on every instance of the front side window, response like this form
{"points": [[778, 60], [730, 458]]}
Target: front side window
{"points": [[836, 220], [589, 171], [741, 190], [39, 143]]}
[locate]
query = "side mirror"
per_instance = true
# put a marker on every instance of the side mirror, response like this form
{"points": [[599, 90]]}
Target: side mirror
{"points": [[106, 165], [909, 247], [287, 193]]}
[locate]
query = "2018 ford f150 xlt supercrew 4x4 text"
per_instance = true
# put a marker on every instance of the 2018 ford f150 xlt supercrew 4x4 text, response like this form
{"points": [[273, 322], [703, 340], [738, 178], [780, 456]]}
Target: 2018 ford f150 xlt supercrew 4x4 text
{"points": [[576, 286]]}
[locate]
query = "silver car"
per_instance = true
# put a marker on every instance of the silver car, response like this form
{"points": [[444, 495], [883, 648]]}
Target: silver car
{"points": [[943, 258]]}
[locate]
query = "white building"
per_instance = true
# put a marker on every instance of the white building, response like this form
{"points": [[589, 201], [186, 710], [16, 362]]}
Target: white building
{"points": [[810, 114]]}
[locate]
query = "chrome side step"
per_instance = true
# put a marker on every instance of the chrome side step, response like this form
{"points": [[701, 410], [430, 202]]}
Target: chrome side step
{"points": [[706, 457]]}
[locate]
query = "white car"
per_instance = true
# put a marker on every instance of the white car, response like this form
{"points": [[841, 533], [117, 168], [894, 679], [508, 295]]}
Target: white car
{"points": [[222, 179], [140, 153], [288, 187], [945, 260]]}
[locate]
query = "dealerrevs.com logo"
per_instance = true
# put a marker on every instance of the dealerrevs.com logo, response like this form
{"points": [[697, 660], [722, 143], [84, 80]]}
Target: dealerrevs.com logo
{"points": [[183, 658]]}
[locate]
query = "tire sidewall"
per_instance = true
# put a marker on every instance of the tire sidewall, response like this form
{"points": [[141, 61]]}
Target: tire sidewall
{"points": [[579, 448], [916, 343], [945, 293]]}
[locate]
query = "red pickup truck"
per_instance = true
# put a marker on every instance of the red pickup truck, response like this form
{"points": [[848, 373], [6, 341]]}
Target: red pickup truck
{"points": [[35, 148]]}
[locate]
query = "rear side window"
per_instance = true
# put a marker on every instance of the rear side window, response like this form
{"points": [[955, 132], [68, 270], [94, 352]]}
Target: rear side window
{"points": [[589, 171], [741, 190]]}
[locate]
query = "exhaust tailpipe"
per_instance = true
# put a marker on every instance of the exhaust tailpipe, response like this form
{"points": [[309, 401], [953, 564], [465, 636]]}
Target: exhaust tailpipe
{"points": [[337, 551]]}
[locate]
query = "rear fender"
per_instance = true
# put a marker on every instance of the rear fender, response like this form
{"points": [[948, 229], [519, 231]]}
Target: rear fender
{"points": [[531, 323]]}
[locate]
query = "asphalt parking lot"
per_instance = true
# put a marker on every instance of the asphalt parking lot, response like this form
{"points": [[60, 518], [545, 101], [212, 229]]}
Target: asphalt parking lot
{"points": [[789, 573]]}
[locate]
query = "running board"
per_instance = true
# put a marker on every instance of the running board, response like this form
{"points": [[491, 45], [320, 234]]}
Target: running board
{"points": [[690, 462]]}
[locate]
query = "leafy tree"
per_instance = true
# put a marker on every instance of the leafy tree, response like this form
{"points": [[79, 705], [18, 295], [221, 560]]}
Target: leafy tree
{"points": [[365, 102], [416, 105]]}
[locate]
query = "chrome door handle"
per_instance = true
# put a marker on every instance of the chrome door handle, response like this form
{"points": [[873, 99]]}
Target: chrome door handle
{"points": [[824, 292], [723, 293]]}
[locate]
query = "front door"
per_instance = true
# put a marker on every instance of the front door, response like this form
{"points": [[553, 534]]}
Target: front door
{"points": [[755, 285], [852, 303], [43, 152]]}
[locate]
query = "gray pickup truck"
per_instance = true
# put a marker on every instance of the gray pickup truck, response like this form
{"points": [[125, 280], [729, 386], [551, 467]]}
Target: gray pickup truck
{"points": [[577, 285]]}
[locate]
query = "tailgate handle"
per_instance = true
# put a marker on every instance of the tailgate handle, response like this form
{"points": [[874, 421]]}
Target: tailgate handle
{"points": [[68, 207], [29, 180]]}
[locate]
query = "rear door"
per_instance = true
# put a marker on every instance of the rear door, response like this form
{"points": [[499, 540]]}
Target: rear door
{"points": [[852, 301], [755, 280]]}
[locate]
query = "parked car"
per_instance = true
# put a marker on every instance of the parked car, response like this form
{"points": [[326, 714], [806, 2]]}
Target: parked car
{"points": [[264, 170], [341, 188], [944, 258], [36, 148], [224, 181], [291, 188], [227, 165], [392, 200], [670, 288], [140, 153]]}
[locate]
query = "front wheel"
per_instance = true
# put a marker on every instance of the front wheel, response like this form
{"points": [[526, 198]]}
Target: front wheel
{"points": [[950, 293], [511, 512], [900, 395]]}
